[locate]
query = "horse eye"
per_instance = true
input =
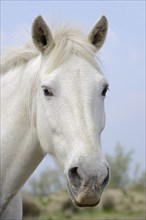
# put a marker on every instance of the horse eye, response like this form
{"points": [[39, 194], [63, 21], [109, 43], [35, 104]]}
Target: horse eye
{"points": [[105, 90], [47, 92]]}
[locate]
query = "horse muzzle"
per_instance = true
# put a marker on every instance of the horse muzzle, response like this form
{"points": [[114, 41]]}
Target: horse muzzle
{"points": [[85, 190]]}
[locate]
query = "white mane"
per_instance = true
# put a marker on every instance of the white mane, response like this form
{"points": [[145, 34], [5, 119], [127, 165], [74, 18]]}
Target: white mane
{"points": [[67, 40]]}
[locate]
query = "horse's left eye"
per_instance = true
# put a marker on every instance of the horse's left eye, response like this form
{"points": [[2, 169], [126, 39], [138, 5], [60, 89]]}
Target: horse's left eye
{"points": [[47, 92], [105, 90]]}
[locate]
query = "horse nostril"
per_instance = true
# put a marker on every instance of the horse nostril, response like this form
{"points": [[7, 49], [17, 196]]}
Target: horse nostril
{"points": [[73, 173], [105, 181], [74, 176]]}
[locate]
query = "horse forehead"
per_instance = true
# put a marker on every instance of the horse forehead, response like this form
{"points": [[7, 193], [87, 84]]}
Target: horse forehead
{"points": [[79, 68], [74, 70], [79, 64]]}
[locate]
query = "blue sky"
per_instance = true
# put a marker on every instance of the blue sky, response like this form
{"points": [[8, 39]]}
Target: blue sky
{"points": [[123, 57]]}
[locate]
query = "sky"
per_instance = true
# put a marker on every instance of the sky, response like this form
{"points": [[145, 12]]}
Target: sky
{"points": [[123, 58]]}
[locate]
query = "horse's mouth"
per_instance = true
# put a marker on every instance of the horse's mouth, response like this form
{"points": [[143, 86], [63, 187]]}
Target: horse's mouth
{"points": [[82, 202], [85, 205]]}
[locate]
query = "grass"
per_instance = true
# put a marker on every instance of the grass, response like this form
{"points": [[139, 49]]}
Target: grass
{"points": [[99, 215], [112, 215], [129, 206]]}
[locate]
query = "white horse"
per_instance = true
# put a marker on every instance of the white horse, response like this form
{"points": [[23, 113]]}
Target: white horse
{"points": [[53, 94]]}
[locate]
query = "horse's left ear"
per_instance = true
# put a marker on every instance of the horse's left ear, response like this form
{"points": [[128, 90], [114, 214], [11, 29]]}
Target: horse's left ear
{"points": [[42, 36], [98, 33]]}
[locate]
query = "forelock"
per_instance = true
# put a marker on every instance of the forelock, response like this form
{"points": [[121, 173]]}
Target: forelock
{"points": [[69, 41]]}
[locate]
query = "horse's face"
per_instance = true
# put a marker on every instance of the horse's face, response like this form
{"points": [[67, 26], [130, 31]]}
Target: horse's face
{"points": [[70, 119]]}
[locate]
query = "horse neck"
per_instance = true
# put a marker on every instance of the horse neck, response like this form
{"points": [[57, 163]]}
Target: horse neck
{"points": [[21, 152]]}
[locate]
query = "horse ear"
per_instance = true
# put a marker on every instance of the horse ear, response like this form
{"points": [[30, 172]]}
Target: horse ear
{"points": [[98, 33], [42, 36]]}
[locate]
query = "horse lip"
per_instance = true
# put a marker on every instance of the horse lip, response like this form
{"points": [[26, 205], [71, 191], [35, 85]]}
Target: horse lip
{"points": [[77, 203], [86, 205]]}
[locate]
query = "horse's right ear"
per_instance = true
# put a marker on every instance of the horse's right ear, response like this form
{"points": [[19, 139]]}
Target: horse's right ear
{"points": [[42, 36]]}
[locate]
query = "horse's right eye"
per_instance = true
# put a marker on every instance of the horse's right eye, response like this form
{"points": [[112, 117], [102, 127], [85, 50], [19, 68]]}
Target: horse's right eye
{"points": [[47, 92]]}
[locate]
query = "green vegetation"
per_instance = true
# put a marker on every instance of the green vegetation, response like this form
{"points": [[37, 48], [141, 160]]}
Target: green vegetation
{"points": [[124, 198], [114, 205], [47, 182], [119, 165]]}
